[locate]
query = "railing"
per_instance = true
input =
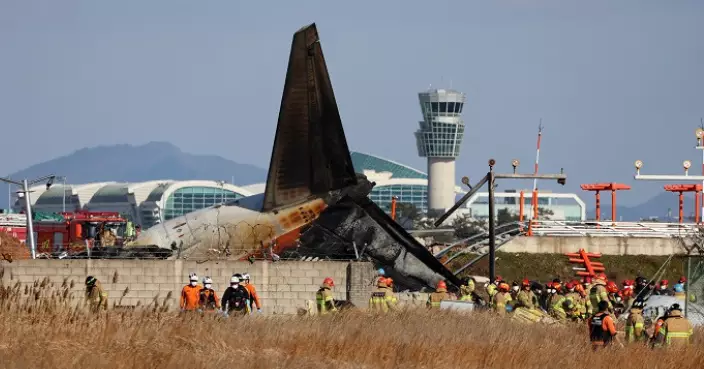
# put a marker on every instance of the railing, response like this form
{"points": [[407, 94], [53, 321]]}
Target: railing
{"points": [[610, 229]]}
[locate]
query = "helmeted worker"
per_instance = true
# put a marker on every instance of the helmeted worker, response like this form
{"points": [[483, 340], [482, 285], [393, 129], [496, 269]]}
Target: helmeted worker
{"points": [[679, 290], [573, 299], [515, 288], [235, 300], [492, 288], [207, 298], [587, 286], [676, 330], [96, 297], [502, 298], [383, 298], [627, 293], [440, 294], [598, 292], [324, 299], [602, 329], [466, 290], [526, 298], [558, 302], [253, 296], [663, 289], [614, 298], [190, 294], [635, 330], [584, 307]]}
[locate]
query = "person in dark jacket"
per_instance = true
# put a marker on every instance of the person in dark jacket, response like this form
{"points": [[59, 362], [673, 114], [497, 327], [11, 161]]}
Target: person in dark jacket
{"points": [[235, 300]]}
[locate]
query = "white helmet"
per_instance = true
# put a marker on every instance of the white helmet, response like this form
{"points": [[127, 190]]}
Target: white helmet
{"points": [[193, 277], [234, 280], [208, 280], [245, 276]]}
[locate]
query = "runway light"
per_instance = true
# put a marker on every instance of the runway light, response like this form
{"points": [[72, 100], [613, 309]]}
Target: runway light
{"points": [[492, 162], [638, 164]]}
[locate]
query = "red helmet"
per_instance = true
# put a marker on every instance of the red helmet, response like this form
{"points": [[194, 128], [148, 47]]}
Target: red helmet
{"points": [[498, 278], [381, 282], [389, 282], [526, 283], [329, 282], [664, 282], [442, 285], [504, 287], [611, 287], [548, 285], [569, 285], [588, 280], [683, 279], [601, 276]]}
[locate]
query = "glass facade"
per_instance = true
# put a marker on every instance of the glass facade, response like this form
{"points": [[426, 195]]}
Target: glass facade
{"points": [[362, 162], [442, 129], [406, 194], [188, 199]]}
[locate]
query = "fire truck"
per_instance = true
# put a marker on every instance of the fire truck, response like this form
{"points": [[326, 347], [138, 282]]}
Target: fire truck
{"points": [[15, 225], [77, 232]]}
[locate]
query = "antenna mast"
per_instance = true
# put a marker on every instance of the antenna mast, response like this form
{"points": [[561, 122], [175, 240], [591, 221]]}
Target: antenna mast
{"points": [[534, 197]]}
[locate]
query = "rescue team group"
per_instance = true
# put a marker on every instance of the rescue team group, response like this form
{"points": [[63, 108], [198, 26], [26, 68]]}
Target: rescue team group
{"points": [[597, 308]]}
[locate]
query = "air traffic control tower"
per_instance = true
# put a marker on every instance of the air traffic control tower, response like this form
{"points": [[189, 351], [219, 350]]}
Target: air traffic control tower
{"points": [[439, 139]]}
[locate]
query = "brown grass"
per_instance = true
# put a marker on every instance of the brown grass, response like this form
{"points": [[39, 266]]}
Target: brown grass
{"points": [[41, 328], [11, 248]]}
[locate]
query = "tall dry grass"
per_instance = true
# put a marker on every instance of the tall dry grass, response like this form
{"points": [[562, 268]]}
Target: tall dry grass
{"points": [[45, 326]]}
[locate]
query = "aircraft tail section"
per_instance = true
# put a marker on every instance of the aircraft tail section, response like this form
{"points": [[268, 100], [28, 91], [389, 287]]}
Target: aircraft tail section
{"points": [[310, 154]]}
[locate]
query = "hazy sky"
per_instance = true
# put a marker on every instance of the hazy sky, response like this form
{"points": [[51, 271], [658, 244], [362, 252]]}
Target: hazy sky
{"points": [[614, 81]]}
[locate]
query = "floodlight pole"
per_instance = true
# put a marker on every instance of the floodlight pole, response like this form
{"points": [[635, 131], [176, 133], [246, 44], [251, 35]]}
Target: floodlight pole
{"points": [[28, 206]]}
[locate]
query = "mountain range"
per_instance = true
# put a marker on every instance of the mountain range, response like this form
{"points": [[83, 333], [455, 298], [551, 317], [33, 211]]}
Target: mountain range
{"points": [[162, 160], [151, 161]]}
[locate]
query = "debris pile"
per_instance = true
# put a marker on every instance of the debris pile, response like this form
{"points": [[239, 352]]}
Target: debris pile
{"points": [[12, 249]]}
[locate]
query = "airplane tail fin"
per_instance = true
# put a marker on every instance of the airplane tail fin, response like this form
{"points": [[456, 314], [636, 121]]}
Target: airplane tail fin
{"points": [[310, 154]]}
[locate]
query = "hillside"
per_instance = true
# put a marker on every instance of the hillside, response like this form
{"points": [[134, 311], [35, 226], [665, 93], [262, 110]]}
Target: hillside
{"points": [[128, 163]]}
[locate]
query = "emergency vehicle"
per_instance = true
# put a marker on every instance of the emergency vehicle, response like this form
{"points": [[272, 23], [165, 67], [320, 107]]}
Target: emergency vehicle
{"points": [[74, 232], [15, 225]]}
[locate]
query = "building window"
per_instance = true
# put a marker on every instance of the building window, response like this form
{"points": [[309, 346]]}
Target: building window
{"points": [[188, 199]]}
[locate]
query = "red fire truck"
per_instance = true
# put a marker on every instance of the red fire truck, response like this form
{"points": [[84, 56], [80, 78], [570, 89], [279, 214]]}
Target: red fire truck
{"points": [[15, 225], [77, 231]]}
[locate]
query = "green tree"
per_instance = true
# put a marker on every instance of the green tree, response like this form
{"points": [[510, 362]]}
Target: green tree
{"points": [[408, 211], [504, 216], [465, 226]]}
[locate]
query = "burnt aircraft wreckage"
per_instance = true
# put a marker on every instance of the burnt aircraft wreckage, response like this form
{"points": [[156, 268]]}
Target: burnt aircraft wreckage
{"points": [[314, 203]]}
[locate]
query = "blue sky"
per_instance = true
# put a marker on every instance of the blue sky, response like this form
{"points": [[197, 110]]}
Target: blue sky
{"points": [[613, 81]]}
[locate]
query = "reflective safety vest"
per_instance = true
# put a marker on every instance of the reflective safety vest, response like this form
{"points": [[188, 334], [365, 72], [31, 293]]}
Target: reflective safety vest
{"points": [[634, 326], [677, 329], [435, 298], [383, 300], [466, 298], [324, 300]]}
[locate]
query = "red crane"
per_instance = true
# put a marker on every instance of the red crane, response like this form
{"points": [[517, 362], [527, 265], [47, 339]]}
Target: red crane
{"points": [[598, 187], [682, 188]]}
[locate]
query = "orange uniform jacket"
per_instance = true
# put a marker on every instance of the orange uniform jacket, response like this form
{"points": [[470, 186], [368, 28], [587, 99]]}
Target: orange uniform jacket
{"points": [[253, 295], [190, 297]]}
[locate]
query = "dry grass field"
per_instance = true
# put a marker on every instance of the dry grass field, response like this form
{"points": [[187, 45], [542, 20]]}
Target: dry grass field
{"points": [[40, 329]]}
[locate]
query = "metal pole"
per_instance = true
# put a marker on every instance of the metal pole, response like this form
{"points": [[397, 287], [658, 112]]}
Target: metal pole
{"points": [[492, 229], [30, 226], [63, 201]]}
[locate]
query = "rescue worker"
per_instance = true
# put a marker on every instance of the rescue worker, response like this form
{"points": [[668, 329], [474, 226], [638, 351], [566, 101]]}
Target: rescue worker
{"points": [[492, 288], [649, 291], [679, 290], [502, 298], [466, 290], [614, 298], [207, 298], [547, 296], [235, 300], [515, 288], [656, 339], [627, 293], [558, 305], [526, 298], [190, 294], [676, 330], [438, 296], [587, 286], [253, 296], [635, 325], [598, 292], [663, 289], [96, 297], [324, 299], [573, 299], [584, 306], [383, 298], [602, 329]]}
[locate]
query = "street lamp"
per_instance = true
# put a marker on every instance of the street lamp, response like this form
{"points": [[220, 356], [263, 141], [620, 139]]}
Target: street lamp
{"points": [[28, 205]]}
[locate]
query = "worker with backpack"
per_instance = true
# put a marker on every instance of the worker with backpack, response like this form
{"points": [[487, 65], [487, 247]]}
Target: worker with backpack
{"points": [[235, 300]]}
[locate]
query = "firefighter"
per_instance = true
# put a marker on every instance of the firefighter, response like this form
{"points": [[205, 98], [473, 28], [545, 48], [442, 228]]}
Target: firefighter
{"points": [[663, 289], [207, 298], [614, 298], [440, 294], [502, 298], [324, 299], [190, 294], [383, 298], [676, 330], [558, 302], [602, 329], [526, 298], [253, 296], [235, 300], [491, 289], [466, 290], [679, 290], [573, 299], [627, 293], [585, 292], [598, 292], [515, 289], [584, 306], [635, 330], [96, 297]]}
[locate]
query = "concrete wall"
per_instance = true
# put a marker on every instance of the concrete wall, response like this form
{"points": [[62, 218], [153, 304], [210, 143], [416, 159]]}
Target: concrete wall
{"points": [[604, 245], [283, 287]]}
